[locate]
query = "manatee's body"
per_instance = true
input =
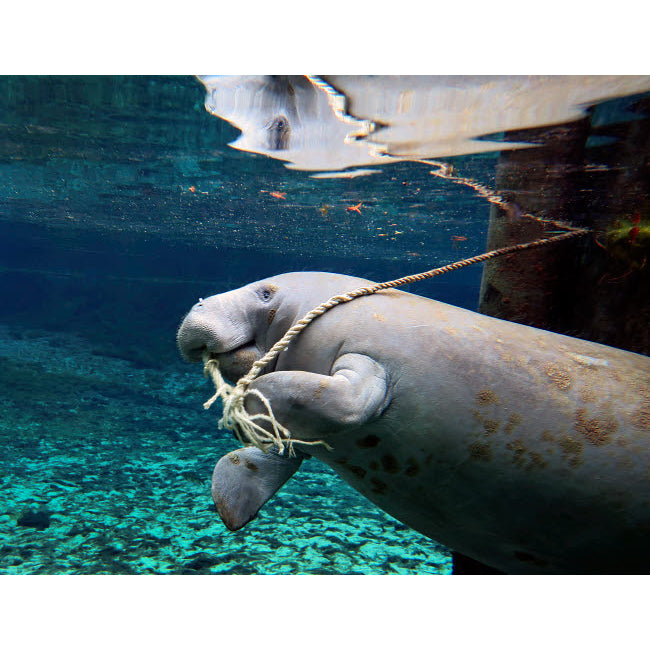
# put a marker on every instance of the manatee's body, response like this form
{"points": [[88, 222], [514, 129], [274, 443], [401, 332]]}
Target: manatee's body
{"points": [[523, 449]]}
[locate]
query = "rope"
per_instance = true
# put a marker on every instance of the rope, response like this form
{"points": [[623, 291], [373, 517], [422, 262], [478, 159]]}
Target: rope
{"points": [[247, 428]]}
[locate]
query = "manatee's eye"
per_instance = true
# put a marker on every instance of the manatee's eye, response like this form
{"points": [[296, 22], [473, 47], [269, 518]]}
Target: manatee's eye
{"points": [[266, 292]]}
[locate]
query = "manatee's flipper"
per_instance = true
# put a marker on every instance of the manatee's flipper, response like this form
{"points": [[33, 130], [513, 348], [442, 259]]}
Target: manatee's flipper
{"points": [[245, 479], [358, 390]]}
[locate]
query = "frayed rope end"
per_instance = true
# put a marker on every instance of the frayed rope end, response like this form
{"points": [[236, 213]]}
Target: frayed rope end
{"points": [[245, 426]]}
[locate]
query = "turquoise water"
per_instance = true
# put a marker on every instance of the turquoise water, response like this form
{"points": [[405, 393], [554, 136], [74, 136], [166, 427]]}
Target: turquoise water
{"points": [[107, 466], [120, 204]]}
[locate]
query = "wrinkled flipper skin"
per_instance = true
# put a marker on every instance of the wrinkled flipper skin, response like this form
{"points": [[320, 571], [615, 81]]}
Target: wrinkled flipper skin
{"points": [[245, 479]]}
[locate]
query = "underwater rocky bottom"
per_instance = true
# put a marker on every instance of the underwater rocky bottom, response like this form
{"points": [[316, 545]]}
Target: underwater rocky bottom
{"points": [[106, 469]]}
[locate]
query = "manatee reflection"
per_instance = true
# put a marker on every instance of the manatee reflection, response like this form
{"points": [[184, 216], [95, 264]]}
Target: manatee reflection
{"points": [[335, 122]]}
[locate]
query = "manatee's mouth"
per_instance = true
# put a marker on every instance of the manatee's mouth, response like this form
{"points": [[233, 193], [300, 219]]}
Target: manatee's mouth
{"points": [[236, 363]]}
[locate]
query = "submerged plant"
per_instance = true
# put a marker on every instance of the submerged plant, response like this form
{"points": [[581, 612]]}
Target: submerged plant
{"points": [[628, 240]]}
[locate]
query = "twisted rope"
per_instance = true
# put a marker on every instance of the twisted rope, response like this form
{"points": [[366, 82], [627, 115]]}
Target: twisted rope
{"points": [[247, 428]]}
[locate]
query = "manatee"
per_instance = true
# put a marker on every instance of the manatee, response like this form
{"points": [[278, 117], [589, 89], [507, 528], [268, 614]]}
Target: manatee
{"points": [[522, 449]]}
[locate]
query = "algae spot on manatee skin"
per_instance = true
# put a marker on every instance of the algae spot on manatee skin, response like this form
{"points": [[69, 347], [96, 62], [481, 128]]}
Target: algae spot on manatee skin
{"points": [[569, 445], [596, 431], [536, 461], [480, 451], [547, 436], [587, 395], [514, 420], [318, 391], [518, 449], [641, 416], [485, 397], [233, 458], [558, 376], [571, 450], [489, 425]]}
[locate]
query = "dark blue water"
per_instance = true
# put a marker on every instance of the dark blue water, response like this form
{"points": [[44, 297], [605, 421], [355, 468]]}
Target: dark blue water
{"points": [[120, 205]]}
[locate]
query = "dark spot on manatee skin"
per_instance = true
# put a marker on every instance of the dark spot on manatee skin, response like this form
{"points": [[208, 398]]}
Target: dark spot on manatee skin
{"points": [[233, 458], [251, 466], [374, 465], [358, 471], [369, 441], [389, 464], [379, 487], [341, 461], [412, 467], [528, 558], [271, 315]]}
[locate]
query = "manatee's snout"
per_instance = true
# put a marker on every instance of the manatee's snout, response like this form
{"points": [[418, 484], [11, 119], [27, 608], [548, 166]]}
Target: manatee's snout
{"points": [[196, 335], [209, 327]]}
